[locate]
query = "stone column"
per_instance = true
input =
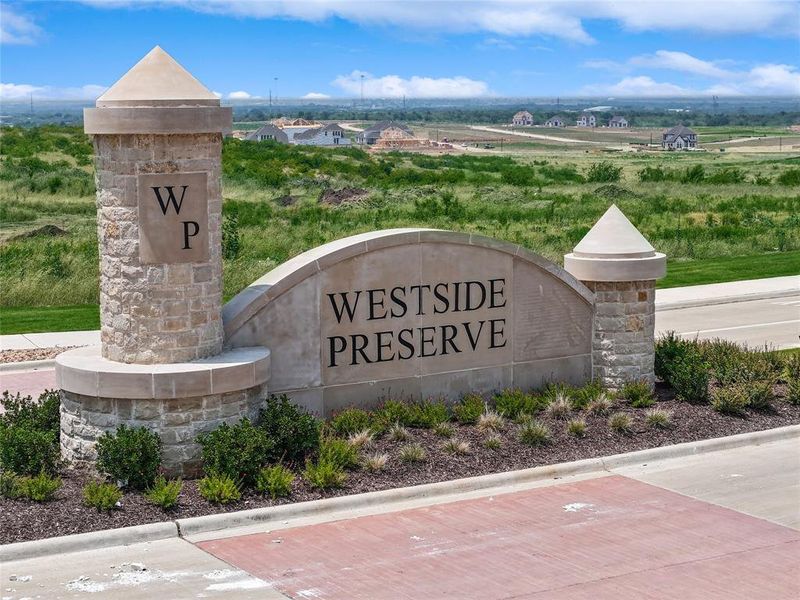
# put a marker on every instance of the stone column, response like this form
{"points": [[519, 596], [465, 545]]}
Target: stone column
{"points": [[158, 137], [620, 266]]}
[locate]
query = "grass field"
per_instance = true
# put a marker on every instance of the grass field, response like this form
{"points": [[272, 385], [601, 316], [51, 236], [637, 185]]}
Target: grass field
{"points": [[717, 216]]}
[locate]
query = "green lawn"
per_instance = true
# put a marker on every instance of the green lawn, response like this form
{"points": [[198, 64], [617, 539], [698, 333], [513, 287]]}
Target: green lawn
{"points": [[679, 273]]}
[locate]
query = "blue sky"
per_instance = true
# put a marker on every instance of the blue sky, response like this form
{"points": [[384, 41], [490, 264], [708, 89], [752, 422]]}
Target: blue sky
{"points": [[74, 49]]}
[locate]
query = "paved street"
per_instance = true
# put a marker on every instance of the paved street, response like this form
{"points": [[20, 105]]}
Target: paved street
{"points": [[721, 525], [774, 322]]}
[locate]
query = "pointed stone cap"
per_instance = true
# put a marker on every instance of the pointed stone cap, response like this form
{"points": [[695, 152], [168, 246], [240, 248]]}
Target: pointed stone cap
{"points": [[157, 80], [614, 250]]}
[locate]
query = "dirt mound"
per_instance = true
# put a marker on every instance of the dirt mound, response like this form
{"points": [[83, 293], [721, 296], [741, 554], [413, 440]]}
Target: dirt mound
{"points": [[43, 231], [612, 192], [287, 200], [347, 194]]}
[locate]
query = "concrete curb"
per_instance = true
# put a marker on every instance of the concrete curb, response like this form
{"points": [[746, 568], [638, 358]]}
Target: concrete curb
{"points": [[28, 365], [678, 304], [329, 506]]}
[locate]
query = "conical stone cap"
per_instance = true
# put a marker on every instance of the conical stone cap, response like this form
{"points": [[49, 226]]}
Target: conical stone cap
{"points": [[614, 250], [157, 80], [614, 236]]}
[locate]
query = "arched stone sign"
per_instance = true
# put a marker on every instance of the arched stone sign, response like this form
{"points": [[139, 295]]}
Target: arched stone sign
{"points": [[409, 313]]}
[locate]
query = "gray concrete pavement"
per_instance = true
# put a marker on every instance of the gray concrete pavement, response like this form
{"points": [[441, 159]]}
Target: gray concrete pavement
{"points": [[774, 321]]}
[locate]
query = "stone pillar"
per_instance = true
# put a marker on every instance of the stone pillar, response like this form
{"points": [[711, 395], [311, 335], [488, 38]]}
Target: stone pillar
{"points": [[158, 138], [620, 266]]}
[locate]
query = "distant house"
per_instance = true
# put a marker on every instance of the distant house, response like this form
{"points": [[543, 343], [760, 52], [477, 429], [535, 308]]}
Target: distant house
{"points": [[618, 122], [523, 118], [379, 130], [299, 122], [554, 122], [268, 132], [329, 135], [587, 119], [678, 138]]}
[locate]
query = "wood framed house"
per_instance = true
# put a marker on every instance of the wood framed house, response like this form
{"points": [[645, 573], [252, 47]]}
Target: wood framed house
{"points": [[374, 133], [587, 119], [522, 119]]}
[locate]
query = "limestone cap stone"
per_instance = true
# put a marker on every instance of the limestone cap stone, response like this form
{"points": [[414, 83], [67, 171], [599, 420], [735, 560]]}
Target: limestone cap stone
{"points": [[614, 250], [157, 95]]}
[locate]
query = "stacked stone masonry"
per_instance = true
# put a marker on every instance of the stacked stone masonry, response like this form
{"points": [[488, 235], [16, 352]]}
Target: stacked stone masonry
{"points": [[162, 313], [624, 332], [178, 422]]}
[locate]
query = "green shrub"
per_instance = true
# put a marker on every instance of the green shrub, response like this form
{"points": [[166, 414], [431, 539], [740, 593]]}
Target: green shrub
{"points": [[219, 488], [412, 453], [236, 451], [130, 456], [40, 488], [790, 177], [689, 377], [759, 394], [350, 420], [164, 493], [100, 495], [793, 391], [231, 240], [603, 172], [576, 427], [275, 481], [42, 414], [444, 430], [512, 403], [427, 414], [658, 418], [730, 400], [9, 485], [584, 395], [669, 349], [28, 451], [637, 393], [392, 412], [621, 423], [493, 442], [533, 433], [694, 174], [292, 433], [337, 451], [324, 475], [469, 409]]}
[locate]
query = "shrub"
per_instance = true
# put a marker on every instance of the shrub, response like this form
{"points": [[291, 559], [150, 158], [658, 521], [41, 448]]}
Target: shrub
{"points": [[512, 403], [131, 456], [583, 396], [412, 453], [41, 415], [658, 418], [100, 495], [490, 421], [324, 475], [604, 172], [793, 391], [759, 394], [427, 414], [9, 485], [338, 452], [392, 412], [730, 400], [361, 439], [275, 481], [469, 409], [694, 174], [164, 493], [790, 177], [292, 433], [669, 349], [689, 377], [219, 488], [398, 433], [453, 446], [493, 442], [444, 430], [621, 423], [350, 420], [533, 433], [28, 451], [600, 405], [40, 488], [231, 241], [238, 451], [375, 462], [560, 407], [637, 394], [576, 427]]}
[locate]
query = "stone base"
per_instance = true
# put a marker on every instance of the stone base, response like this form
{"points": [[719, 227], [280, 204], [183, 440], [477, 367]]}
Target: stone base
{"points": [[178, 422], [178, 401]]}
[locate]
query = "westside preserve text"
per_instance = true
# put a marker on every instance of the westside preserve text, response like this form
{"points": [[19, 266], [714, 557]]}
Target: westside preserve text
{"points": [[458, 334]]}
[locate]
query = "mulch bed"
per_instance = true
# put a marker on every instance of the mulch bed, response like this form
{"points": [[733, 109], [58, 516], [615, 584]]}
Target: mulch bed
{"points": [[22, 520], [13, 356]]}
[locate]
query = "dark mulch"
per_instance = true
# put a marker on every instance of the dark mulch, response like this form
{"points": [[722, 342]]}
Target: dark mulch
{"points": [[346, 194], [24, 520]]}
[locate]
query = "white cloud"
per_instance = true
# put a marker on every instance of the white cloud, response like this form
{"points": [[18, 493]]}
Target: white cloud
{"points": [[394, 86], [315, 96], [217, 94], [240, 95], [16, 28], [641, 86], [551, 18], [679, 61], [23, 91]]}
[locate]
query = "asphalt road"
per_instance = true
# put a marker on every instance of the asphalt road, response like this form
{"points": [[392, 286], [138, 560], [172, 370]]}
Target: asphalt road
{"points": [[775, 322]]}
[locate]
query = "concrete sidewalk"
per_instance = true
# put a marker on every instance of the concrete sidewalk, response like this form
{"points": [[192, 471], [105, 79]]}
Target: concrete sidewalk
{"points": [[29, 341], [725, 293]]}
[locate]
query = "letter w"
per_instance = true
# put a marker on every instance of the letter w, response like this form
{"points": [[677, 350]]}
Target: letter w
{"points": [[345, 305], [170, 198]]}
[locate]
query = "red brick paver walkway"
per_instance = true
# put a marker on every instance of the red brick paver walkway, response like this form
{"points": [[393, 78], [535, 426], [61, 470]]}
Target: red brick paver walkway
{"points": [[28, 383], [610, 537]]}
